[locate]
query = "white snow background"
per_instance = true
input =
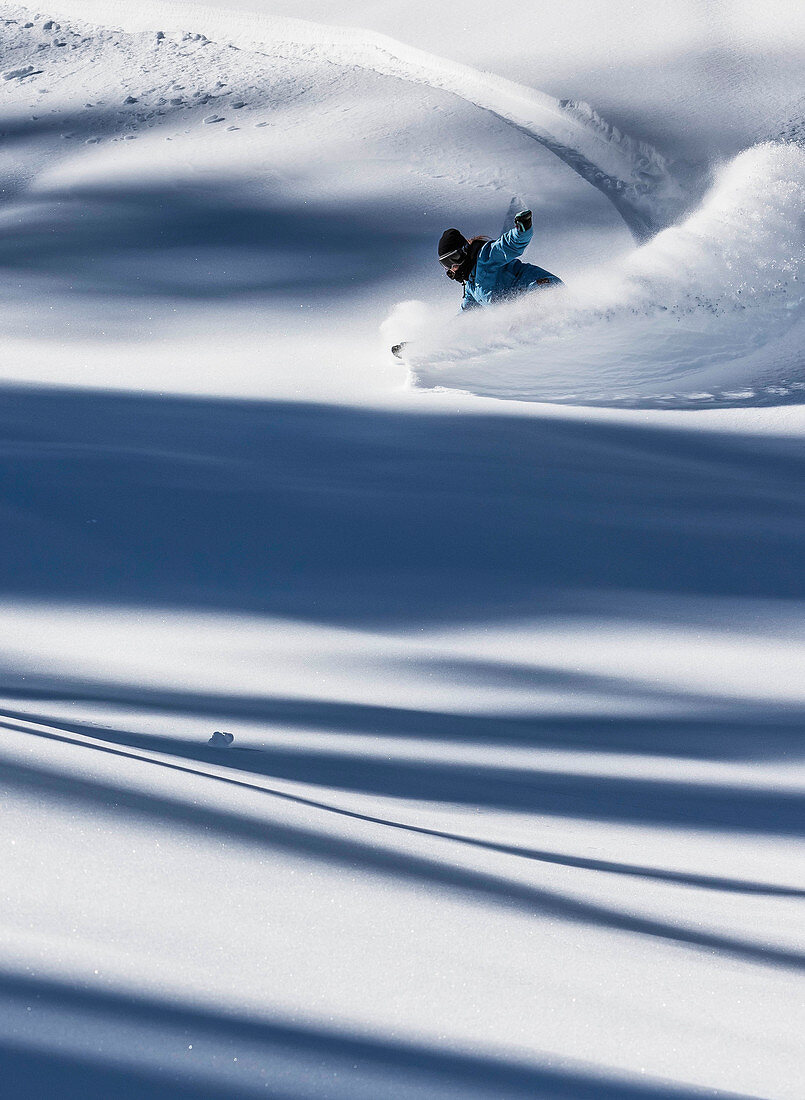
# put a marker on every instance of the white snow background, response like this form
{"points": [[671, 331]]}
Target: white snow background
{"points": [[509, 636]]}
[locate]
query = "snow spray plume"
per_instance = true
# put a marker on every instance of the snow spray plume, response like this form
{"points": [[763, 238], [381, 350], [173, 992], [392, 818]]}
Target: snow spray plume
{"points": [[710, 306]]}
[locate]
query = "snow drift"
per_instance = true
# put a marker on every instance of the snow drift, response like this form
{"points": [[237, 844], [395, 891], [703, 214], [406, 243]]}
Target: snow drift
{"points": [[633, 175], [709, 310]]}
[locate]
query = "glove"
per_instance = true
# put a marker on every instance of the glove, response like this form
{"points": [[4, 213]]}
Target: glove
{"points": [[523, 219]]}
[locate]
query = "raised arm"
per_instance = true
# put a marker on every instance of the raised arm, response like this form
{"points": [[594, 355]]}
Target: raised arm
{"points": [[514, 242]]}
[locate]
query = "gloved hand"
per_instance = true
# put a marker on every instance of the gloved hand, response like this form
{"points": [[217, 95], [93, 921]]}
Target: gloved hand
{"points": [[523, 219]]}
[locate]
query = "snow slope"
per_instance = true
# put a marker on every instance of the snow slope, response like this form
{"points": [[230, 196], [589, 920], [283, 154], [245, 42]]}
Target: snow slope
{"points": [[514, 801]]}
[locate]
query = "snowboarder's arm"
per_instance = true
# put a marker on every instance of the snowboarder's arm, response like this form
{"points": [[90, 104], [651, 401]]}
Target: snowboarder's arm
{"points": [[510, 246]]}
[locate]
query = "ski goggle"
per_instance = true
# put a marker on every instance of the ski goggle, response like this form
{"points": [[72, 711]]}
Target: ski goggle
{"points": [[452, 258]]}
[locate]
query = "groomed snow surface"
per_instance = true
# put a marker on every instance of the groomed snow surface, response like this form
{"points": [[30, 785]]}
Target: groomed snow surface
{"points": [[508, 638]]}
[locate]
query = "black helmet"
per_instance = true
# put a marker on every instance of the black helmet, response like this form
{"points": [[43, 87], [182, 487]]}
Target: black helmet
{"points": [[451, 243]]}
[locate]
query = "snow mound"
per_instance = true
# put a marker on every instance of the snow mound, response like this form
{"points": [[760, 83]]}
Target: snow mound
{"points": [[709, 310], [633, 175]]}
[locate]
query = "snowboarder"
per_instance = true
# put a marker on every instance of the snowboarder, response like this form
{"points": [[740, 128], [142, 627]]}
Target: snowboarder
{"points": [[491, 271]]}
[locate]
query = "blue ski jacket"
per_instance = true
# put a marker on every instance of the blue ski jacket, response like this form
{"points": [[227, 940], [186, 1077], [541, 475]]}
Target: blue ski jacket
{"points": [[499, 274]]}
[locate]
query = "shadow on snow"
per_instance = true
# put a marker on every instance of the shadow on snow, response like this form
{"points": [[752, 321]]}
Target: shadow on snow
{"points": [[194, 241], [258, 762], [229, 825], [232, 1055], [370, 517]]}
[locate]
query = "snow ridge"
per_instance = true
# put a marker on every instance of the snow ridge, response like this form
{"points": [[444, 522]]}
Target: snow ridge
{"points": [[633, 175], [655, 190]]}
